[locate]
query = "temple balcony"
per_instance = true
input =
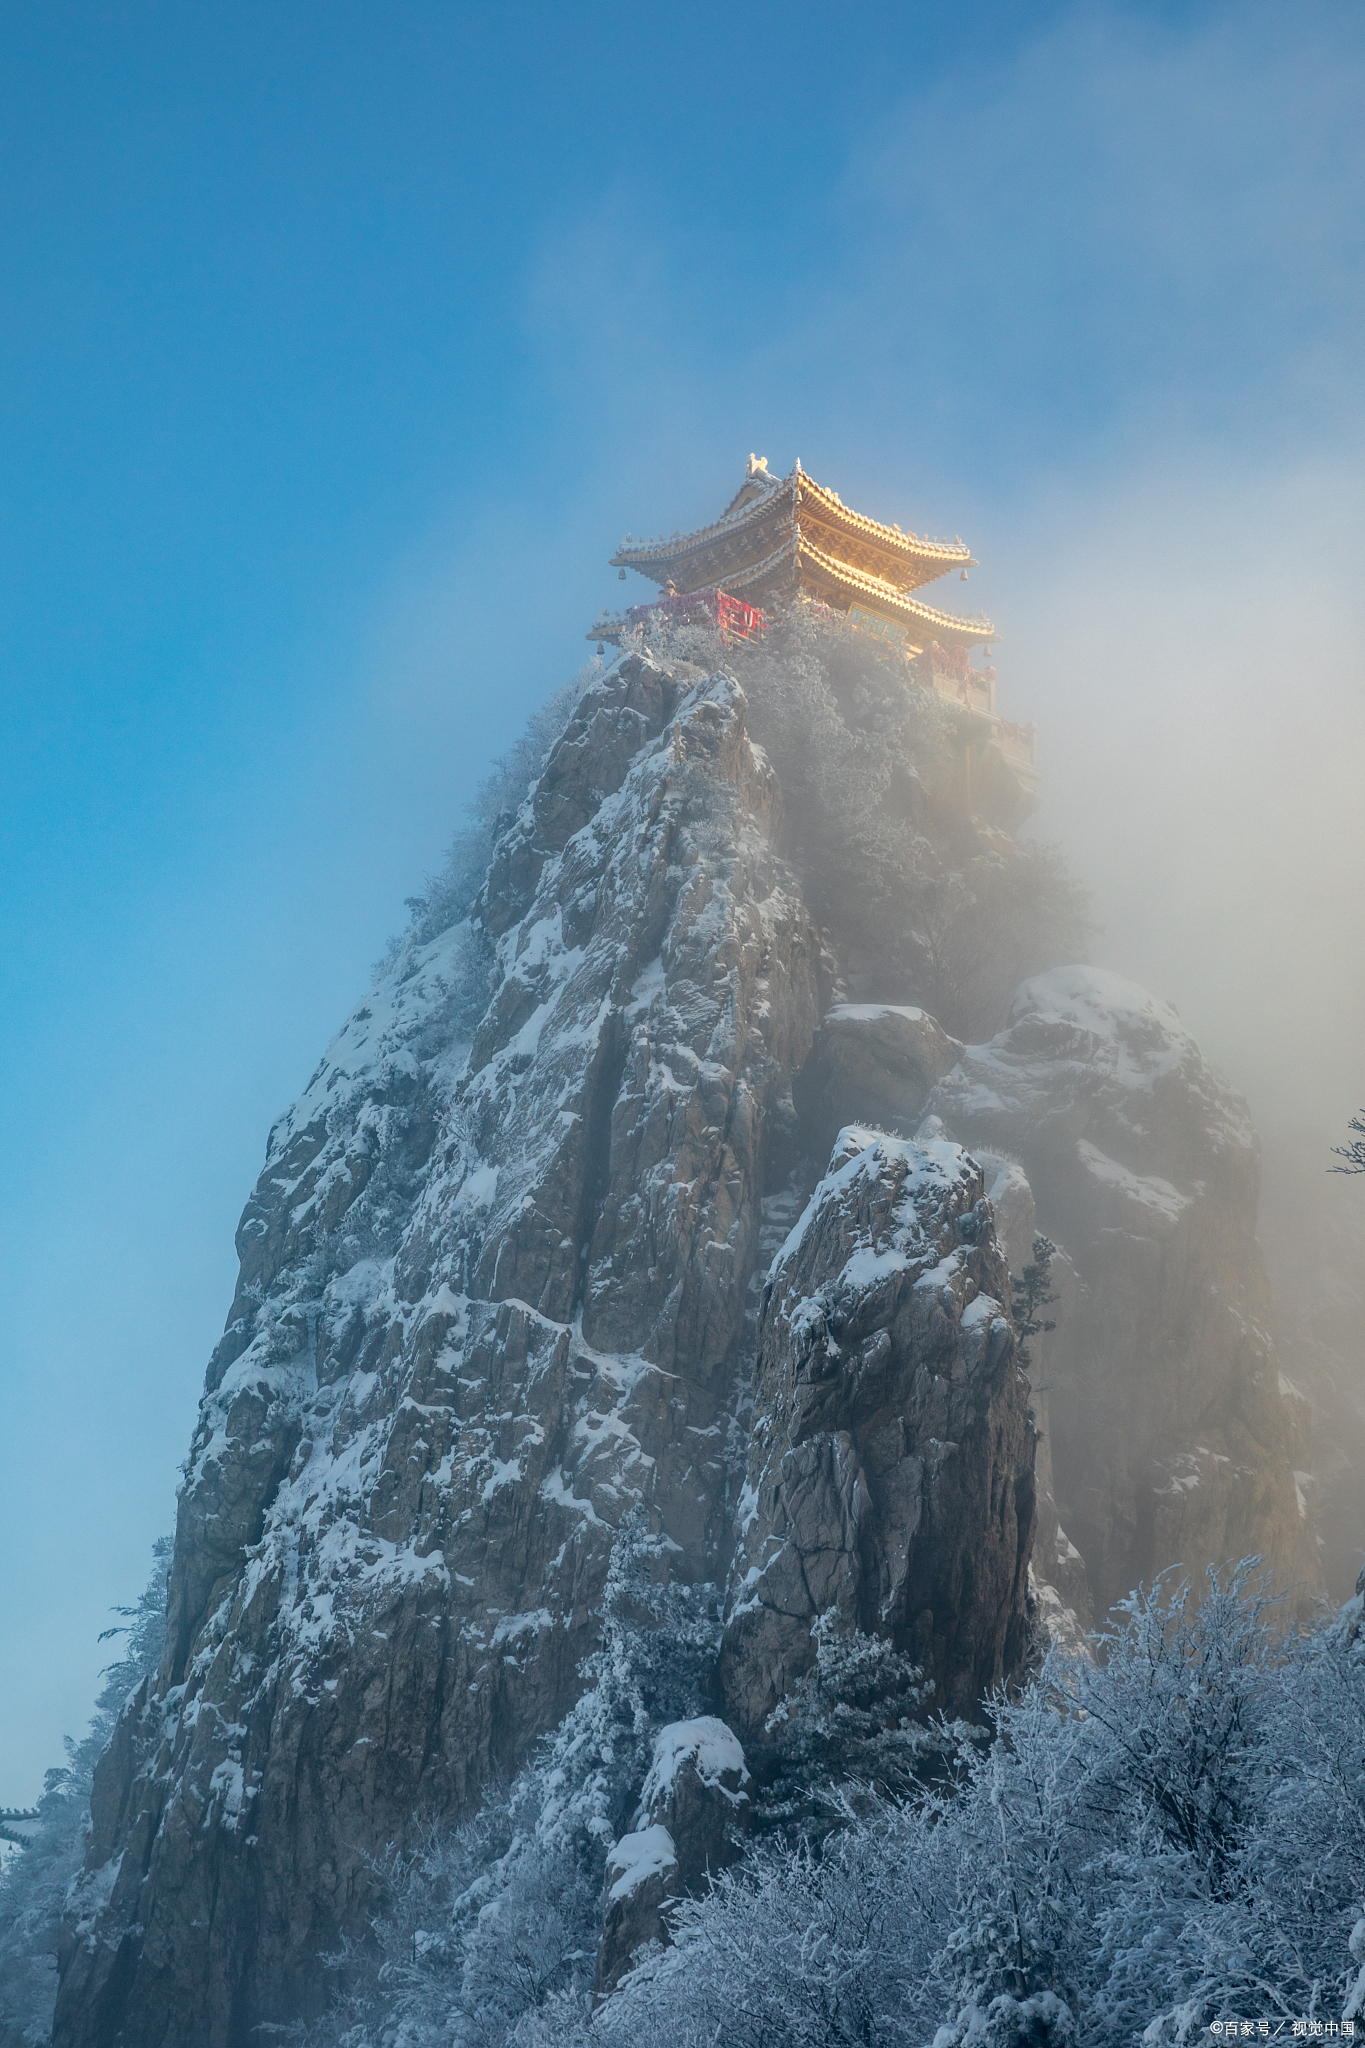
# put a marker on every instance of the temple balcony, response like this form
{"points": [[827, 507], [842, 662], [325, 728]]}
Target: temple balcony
{"points": [[952, 676], [999, 759]]}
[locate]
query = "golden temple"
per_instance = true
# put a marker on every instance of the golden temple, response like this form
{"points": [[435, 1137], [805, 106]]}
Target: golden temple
{"points": [[787, 539], [779, 538]]}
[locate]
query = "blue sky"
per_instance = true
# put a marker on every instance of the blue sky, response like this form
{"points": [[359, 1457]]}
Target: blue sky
{"points": [[340, 345]]}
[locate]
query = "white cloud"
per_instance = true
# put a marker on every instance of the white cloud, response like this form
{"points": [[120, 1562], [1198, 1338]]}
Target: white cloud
{"points": [[1189, 636]]}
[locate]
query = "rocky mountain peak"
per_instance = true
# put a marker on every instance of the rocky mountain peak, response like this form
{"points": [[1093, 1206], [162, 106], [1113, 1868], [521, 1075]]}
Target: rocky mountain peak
{"points": [[602, 1205]]}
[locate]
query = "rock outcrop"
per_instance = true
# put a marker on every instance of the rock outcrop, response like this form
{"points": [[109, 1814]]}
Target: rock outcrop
{"points": [[1168, 1439], [642, 1881], [891, 1456], [694, 1810], [871, 1063]]}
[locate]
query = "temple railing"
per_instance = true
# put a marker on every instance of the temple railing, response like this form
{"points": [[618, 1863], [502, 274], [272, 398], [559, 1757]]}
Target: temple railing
{"points": [[949, 671], [735, 619], [1018, 743], [973, 693], [714, 607]]}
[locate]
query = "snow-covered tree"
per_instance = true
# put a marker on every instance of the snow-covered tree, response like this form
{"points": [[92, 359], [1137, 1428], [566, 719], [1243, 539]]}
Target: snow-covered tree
{"points": [[449, 895], [447, 900], [34, 1882], [1170, 1835], [1033, 1292], [851, 1733], [1352, 1153]]}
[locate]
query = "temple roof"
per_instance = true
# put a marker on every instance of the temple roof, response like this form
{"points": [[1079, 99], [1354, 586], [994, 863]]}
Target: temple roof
{"points": [[904, 560], [788, 540], [781, 535]]}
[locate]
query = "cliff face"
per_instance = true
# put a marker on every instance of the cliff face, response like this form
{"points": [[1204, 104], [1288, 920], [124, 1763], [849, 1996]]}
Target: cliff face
{"points": [[485, 1303], [492, 1295], [1316, 1254], [1169, 1441]]}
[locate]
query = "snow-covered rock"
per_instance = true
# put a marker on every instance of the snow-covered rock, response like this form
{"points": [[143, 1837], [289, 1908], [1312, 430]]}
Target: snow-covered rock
{"points": [[646, 1854], [694, 1809], [495, 1293], [698, 1788], [1063, 1604], [706, 1746], [642, 1876], [891, 1456], [871, 1063]]}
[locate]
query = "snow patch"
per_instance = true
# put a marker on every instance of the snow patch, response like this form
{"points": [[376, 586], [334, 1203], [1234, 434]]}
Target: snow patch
{"points": [[1154, 1194], [708, 1744], [638, 1857], [867, 1013]]}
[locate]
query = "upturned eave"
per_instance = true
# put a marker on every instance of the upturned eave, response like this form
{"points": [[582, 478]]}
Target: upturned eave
{"points": [[697, 559], [824, 574]]}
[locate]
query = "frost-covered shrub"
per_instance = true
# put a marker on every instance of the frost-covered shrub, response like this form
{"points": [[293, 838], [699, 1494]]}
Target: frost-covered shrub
{"points": [[798, 1948], [34, 1882], [1170, 1835], [474, 1927]]}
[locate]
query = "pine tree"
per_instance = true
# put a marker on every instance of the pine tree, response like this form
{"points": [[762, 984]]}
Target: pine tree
{"points": [[851, 1734], [1032, 1294]]}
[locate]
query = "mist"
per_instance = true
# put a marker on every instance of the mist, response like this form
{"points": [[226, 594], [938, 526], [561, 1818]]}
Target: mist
{"points": [[324, 429], [1190, 644]]}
